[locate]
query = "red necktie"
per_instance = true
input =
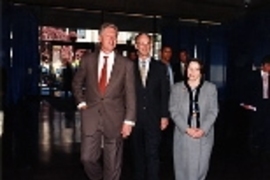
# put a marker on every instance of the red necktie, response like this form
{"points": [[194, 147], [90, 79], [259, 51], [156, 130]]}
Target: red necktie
{"points": [[103, 78]]}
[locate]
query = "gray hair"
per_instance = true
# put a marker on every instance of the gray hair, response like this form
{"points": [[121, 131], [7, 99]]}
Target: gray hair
{"points": [[107, 25]]}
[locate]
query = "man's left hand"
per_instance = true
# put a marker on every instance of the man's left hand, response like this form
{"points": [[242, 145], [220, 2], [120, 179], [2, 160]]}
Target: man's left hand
{"points": [[126, 130], [164, 123]]}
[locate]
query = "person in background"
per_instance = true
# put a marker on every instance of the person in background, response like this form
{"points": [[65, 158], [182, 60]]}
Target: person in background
{"points": [[194, 108], [167, 135], [179, 68], [166, 55], [132, 55], [67, 78], [107, 105], [152, 92], [257, 102]]}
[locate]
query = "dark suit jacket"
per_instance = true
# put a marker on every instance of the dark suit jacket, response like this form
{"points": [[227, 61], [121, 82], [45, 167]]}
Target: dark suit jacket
{"points": [[254, 89], [152, 100], [118, 103], [177, 72], [260, 119]]}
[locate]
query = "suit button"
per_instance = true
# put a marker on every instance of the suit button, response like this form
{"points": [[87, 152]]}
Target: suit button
{"points": [[144, 108], [100, 112]]}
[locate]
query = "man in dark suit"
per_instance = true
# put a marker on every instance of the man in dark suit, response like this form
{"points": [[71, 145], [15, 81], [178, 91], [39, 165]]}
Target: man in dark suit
{"points": [[167, 135], [257, 94], [166, 57], [152, 92], [179, 67], [107, 105]]}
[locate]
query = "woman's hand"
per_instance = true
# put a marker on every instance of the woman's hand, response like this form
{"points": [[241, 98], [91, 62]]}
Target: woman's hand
{"points": [[191, 132], [195, 132], [198, 133]]}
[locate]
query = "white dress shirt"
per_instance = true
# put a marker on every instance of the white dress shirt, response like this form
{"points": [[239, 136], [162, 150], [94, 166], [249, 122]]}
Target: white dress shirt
{"points": [[110, 63], [147, 64], [183, 67], [170, 74], [265, 80]]}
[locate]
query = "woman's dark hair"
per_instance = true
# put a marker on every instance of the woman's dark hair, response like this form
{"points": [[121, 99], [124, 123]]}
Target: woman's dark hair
{"points": [[197, 61]]}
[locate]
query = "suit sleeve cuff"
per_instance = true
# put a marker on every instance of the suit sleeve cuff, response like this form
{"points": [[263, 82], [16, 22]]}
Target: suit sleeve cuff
{"points": [[81, 105], [128, 122]]}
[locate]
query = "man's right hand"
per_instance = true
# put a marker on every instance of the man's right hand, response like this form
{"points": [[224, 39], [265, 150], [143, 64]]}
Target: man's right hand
{"points": [[82, 106]]}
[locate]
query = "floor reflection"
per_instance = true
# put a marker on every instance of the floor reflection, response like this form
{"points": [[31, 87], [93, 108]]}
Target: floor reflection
{"points": [[58, 156], [58, 130]]}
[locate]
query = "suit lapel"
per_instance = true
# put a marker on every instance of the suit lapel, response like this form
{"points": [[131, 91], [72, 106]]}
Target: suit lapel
{"points": [[151, 72], [94, 66], [259, 79], [114, 74], [202, 99], [185, 101], [137, 73]]}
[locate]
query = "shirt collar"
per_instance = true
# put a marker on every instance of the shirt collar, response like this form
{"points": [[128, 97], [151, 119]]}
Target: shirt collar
{"points": [[147, 60], [264, 73], [110, 55]]}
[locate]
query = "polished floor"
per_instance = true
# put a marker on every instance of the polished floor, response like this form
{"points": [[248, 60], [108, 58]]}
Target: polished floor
{"points": [[59, 151]]}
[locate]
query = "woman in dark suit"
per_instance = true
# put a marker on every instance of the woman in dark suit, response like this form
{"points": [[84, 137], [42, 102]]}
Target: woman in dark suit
{"points": [[194, 108]]}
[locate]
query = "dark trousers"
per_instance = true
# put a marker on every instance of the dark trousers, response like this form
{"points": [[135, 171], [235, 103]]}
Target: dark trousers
{"points": [[260, 125], [91, 151], [145, 149], [166, 148], [260, 141]]}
